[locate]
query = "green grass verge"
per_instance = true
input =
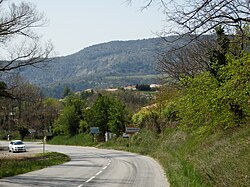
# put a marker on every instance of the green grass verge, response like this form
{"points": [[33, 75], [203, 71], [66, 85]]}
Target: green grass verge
{"points": [[189, 159], [221, 158], [14, 166], [80, 140]]}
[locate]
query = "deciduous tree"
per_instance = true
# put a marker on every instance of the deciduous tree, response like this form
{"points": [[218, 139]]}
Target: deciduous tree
{"points": [[17, 23], [199, 17]]}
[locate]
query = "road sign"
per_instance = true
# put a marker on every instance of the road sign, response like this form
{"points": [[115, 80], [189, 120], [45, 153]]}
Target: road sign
{"points": [[94, 130], [47, 133], [132, 130]]}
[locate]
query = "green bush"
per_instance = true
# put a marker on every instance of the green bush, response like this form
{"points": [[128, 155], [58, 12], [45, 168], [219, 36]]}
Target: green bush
{"points": [[206, 101], [80, 140]]}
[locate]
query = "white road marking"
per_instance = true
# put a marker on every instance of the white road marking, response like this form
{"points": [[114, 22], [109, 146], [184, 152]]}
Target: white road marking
{"points": [[98, 173], [90, 179]]}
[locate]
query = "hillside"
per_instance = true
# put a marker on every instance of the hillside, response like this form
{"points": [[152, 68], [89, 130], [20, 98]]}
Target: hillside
{"points": [[217, 159], [115, 63]]}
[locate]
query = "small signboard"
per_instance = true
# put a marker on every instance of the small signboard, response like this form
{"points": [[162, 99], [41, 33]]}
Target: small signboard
{"points": [[48, 134], [132, 130], [94, 130]]}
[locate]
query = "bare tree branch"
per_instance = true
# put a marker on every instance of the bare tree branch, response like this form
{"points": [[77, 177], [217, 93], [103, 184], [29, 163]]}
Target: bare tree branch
{"points": [[189, 21], [199, 17], [16, 26], [188, 61]]}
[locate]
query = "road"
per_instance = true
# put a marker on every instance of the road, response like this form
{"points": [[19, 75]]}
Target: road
{"points": [[92, 167]]}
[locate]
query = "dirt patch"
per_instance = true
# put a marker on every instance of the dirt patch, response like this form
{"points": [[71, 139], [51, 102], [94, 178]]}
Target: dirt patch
{"points": [[6, 154]]}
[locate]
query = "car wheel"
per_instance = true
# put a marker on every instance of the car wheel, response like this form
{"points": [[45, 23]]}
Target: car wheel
{"points": [[9, 150], [13, 151]]}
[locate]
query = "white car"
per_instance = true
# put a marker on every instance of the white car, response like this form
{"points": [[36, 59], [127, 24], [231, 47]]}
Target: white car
{"points": [[17, 146], [125, 135]]}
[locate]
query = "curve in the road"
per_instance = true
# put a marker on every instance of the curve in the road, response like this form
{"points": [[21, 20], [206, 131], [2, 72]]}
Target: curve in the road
{"points": [[92, 167]]}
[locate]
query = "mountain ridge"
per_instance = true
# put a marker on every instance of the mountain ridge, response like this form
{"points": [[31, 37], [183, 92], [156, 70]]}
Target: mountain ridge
{"points": [[110, 64]]}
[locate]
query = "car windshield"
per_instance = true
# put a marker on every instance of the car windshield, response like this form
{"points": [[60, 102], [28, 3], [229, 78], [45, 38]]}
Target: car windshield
{"points": [[18, 143]]}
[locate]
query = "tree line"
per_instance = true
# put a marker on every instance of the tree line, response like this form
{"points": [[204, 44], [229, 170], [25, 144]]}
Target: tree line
{"points": [[208, 87], [31, 114], [107, 113], [208, 77]]}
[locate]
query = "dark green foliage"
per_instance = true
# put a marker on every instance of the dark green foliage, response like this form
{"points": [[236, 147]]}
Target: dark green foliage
{"points": [[118, 117], [70, 117], [3, 91], [100, 114], [78, 103], [86, 94], [68, 122], [109, 114], [23, 131], [143, 87], [218, 53], [66, 91]]}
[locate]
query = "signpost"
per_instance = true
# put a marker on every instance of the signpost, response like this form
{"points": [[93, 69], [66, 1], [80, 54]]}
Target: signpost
{"points": [[93, 131], [132, 130], [45, 134]]}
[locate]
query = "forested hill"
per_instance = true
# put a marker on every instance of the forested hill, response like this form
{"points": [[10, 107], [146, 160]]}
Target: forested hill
{"points": [[116, 63]]}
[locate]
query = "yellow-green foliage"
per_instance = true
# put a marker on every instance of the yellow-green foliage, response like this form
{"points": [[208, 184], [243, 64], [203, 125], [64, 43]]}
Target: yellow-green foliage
{"points": [[139, 118], [206, 101], [149, 117]]}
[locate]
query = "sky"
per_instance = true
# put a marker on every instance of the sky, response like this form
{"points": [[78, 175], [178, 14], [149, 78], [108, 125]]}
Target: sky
{"points": [[76, 24]]}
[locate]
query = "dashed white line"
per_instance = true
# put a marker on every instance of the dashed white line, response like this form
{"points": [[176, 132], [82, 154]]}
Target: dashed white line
{"points": [[90, 179], [98, 173]]}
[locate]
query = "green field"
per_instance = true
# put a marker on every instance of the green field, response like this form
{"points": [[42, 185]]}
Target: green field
{"points": [[14, 166]]}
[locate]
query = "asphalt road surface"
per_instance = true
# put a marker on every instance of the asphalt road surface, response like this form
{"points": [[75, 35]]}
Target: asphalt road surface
{"points": [[91, 167]]}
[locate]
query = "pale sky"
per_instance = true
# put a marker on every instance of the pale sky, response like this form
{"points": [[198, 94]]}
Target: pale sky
{"points": [[76, 24]]}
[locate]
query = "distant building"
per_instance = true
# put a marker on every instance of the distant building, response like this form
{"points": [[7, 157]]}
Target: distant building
{"points": [[132, 87], [90, 90], [111, 89], [155, 85], [150, 106]]}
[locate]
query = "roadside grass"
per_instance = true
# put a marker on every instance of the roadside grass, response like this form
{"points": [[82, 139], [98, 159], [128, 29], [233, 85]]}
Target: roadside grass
{"points": [[80, 140], [15, 166], [221, 158]]}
